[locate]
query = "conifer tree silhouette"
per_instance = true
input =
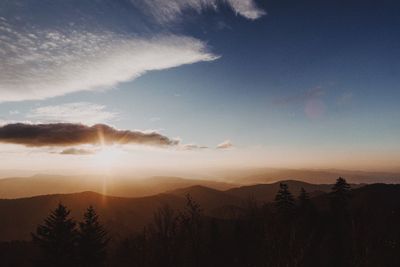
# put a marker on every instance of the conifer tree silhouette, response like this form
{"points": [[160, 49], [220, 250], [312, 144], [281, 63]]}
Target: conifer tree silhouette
{"points": [[304, 200], [163, 231], [340, 195], [341, 223], [56, 239], [92, 240], [191, 221], [284, 201]]}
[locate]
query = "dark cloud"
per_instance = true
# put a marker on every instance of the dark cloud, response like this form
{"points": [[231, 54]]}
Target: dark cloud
{"points": [[71, 134], [77, 151]]}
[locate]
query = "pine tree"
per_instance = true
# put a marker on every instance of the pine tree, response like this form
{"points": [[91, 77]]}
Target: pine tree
{"points": [[304, 199], [92, 240], [340, 195], [191, 223], [284, 201], [163, 232], [341, 224], [56, 239]]}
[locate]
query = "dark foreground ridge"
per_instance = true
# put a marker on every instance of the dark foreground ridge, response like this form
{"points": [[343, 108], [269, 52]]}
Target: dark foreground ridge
{"points": [[289, 223]]}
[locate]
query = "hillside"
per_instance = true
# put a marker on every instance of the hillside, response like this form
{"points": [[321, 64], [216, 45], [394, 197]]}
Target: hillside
{"points": [[116, 186], [121, 215], [126, 215], [266, 192], [270, 175]]}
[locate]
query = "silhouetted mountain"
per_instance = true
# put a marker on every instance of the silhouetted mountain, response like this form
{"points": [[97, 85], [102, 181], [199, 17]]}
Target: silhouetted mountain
{"points": [[270, 175], [123, 216], [19, 217], [266, 192], [116, 186], [379, 198], [208, 197]]}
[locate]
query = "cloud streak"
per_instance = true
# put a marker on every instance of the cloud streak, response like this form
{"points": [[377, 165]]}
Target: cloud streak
{"points": [[225, 145], [52, 48], [76, 151], [193, 147], [48, 64], [70, 134], [78, 112], [164, 11]]}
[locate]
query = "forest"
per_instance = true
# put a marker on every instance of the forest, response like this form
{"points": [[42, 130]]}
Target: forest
{"points": [[331, 229]]}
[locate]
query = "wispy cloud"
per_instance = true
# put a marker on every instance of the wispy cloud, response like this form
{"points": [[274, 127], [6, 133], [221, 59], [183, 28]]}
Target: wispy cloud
{"points": [[193, 147], [47, 64], [225, 145], [70, 134], [45, 53], [77, 151], [171, 10], [79, 112]]}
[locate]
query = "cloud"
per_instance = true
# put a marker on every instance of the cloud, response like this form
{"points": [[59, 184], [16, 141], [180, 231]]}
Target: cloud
{"points": [[52, 48], [78, 112], [171, 10], [225, 145], [48, 64], [76, 151], [192, 147], [70, 134], [246, 8]]}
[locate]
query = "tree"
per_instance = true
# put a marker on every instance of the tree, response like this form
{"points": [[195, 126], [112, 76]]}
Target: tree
{"points": [[340, 195], [341, 224], [284, 201], [56, 239], [304, 198], [163, 233], [92, 240], [191, 224]]}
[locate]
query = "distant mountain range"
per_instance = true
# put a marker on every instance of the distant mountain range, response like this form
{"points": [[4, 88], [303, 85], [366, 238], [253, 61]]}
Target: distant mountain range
{"points": [[270, 175], [121, 215], [125, 186], [116, 186]]}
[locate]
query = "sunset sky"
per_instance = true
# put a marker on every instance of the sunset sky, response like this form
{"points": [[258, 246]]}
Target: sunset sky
{"points": [[198, 85]]}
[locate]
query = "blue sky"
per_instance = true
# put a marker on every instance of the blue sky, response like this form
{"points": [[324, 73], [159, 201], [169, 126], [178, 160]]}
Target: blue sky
{"points": [[271, 78]]}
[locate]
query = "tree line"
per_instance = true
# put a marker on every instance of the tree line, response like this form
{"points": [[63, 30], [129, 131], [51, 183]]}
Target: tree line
{"points": [[292, 231], [64, 243]]}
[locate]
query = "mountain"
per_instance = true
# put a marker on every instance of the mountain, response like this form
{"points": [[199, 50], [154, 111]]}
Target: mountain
{"points": [[19, 217], [267, 192], [116, 186], [270, 175], [208, 197], [123, 215]]}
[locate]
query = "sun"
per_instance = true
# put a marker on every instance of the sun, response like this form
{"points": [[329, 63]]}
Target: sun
{"points": [[106, 162], [107, 157]]}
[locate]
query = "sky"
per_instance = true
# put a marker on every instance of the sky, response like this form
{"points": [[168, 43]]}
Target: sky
{"points": [[195, 85]]}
